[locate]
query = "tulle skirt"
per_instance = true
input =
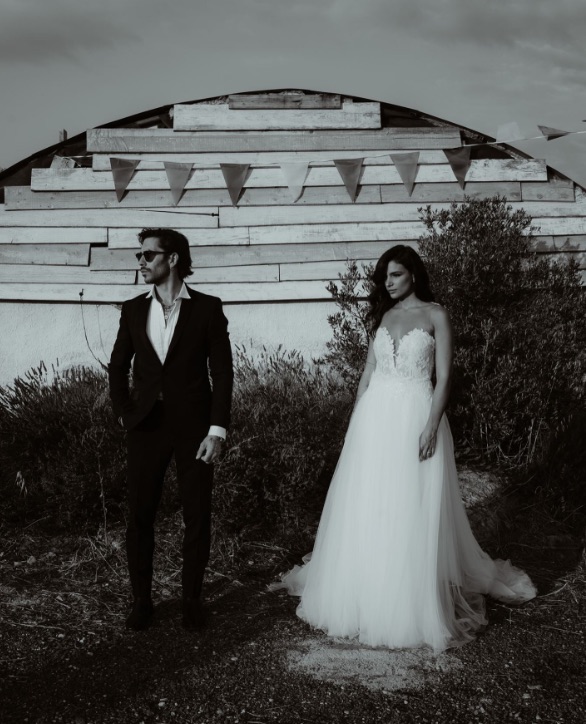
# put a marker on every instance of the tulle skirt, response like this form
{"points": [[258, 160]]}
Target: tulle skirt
{"points": [[395, 563]]}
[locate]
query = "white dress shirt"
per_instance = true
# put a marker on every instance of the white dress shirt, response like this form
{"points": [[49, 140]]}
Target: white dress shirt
{"points": [[160, 333]]}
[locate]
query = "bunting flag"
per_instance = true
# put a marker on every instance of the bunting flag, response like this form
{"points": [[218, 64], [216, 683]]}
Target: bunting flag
{"points": [[177, 176], [122, 171], [60, 162], [350, 170], [406, 165], [295, 174], [552, 133], [509, 132], [459, 160], [234, 176]]}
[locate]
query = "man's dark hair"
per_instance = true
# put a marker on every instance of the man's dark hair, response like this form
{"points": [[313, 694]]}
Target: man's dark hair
{"points": [[171, 241]]}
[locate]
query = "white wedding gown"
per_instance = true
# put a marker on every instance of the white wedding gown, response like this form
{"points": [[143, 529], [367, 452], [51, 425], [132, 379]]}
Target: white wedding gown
{"points": [[395, 563]]}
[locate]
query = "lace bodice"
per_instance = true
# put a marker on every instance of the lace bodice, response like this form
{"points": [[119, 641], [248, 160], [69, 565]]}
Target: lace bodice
{"points": [[414, 357]]}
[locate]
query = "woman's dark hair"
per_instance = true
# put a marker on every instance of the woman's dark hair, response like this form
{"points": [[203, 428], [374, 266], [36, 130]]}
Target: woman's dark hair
{"points": [[379, 299], [171, 241]]}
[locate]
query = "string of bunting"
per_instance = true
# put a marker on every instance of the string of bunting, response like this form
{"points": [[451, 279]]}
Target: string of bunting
{"points": [[295, 173]]}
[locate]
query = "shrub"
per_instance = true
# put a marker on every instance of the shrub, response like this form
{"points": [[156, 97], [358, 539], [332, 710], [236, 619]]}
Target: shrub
{"points": [[520, 326], [63, 458], [289, 419], [519, 321], [60, 445], [349, 344]]}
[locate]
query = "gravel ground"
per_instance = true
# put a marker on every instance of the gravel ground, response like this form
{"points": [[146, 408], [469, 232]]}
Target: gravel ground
{"points": [[65, 656]]}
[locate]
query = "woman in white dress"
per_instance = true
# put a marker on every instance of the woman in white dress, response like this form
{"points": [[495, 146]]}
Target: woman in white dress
{"points": [[395, 563]]}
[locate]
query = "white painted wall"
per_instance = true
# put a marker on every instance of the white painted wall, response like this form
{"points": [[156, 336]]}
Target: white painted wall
{"points": [[54, 333]]}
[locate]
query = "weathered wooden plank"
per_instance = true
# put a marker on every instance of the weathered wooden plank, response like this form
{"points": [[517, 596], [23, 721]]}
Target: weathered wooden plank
{"points": [[201, 217], [312, 233], [126, 238], [61, 254], [21, 197], [35, 274], [219, 117], [103, 258], [559, 190], [155, 161], [562, 226], [135, 140], [51, 235], [483, 170], [315, 270], [281, 215], [116, 293], [234, 274], [424, 193], [560, 243], [284, 100], [556, 209]]}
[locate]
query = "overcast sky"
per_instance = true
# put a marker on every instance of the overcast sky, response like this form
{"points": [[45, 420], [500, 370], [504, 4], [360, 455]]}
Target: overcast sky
{"points": [[76, 64]]}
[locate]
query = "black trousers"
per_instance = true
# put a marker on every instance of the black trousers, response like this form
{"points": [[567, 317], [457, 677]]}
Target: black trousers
{"points": [[151, 446]]}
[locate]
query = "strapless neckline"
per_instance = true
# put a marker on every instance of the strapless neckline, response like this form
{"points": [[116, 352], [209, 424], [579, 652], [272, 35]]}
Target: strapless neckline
{"points": [[397, 345]]}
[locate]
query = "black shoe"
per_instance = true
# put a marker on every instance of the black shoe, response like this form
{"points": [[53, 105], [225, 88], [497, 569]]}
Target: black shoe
{"points": [[193, 614], [141, 614]]}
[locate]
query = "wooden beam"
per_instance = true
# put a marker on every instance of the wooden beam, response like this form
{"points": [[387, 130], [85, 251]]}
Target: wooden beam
{"points": [[61, 254], [154, 140], [313, 233], [483, 170], [234, 274], [286, 215], [155, 161], [105, 259], [126, 238], [131, 218], [34, 274], [219, 117], [559, 226], [434, 192], [238, 293], [316, 270], [559, 190], [51, 235], [284, 100], [21, 197]]}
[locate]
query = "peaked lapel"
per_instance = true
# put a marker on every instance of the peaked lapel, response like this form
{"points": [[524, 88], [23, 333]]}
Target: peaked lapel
{"points": [[141, 320], [184, 315]]}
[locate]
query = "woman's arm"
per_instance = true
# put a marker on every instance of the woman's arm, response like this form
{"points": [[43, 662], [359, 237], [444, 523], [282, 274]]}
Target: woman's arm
{"points": [[443, 375], [369, 368]]}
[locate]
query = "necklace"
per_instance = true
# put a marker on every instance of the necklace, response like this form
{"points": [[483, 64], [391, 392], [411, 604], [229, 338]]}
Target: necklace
{"points": [[167, 310]]}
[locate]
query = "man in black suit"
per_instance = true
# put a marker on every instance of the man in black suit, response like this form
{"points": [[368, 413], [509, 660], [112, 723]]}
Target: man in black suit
{"points": [[176, 340]]}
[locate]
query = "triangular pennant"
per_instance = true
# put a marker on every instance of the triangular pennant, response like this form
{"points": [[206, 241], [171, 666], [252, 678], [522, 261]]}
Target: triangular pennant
{"points": [[295, 174], [234, 176], [552, 133], [177, 176], [350, 169], [508, 132], [459, 160], [122, 171], [60, 162], [406, 165]]}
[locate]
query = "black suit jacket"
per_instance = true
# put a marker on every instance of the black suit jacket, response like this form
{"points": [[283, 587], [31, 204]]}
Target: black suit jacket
{"points": [[199, 350]]}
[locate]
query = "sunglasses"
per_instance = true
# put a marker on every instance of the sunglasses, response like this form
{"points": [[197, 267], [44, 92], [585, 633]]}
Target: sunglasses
{"points": [[148, 255]]}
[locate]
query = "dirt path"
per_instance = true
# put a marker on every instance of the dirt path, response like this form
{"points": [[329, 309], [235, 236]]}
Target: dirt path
{"points": [[65, 656]]}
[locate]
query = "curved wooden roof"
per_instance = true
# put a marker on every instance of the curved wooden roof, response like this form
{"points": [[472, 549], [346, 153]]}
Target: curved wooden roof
{"points": [[65, 236]]}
